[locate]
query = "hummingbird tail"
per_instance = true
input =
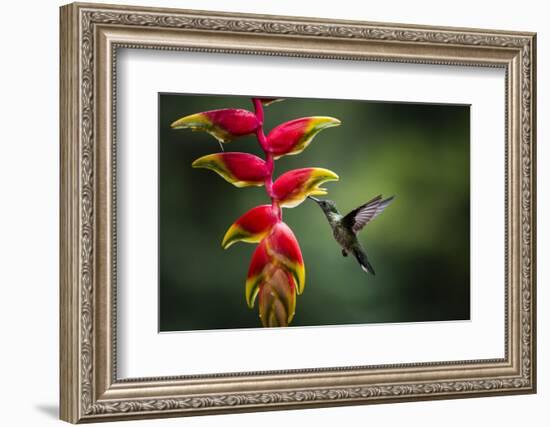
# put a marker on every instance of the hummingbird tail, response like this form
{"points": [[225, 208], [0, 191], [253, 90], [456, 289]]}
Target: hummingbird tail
{"points": [[363, 261]]}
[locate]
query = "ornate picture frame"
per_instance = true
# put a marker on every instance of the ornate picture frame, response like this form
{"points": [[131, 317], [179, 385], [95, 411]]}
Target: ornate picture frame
{"points": [[90, 37]]}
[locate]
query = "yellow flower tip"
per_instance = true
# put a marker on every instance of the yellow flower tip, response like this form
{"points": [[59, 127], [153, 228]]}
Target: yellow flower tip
{"points": [[229, 238], [267, 102], [242, 184], [193, 121], [251, 292], [323, 122], [204, 161], [300, 276], [236, 233], [321, 175], [227, 245], [319, 191]]}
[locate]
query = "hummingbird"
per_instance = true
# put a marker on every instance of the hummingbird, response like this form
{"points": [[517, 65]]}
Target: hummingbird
{"points": [[345, 228]]}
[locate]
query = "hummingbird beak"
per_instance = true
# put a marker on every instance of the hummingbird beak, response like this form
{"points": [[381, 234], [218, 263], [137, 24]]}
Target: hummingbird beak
{"points": [[314, 199]]}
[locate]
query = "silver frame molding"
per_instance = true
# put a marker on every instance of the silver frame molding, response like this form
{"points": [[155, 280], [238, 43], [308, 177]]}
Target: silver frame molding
{"points": [[90, 37]]}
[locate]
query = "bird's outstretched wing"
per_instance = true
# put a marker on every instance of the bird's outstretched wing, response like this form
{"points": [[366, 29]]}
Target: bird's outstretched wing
{"points": [[364, 214]]}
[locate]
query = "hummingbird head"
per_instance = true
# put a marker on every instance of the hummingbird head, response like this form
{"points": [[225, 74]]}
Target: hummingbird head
{"points": [[325, 204]]}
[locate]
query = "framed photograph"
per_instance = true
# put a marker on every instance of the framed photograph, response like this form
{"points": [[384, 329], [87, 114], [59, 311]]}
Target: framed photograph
{"points": [[266, 212]]}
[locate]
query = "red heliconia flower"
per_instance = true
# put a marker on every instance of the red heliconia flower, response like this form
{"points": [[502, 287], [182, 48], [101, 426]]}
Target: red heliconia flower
{"points": [[224, 125], [240, 169], [276, 274], [278, 250], [253, 226], [277, 299], [283, 246], [293, 137], [292, 187], [258, 271]]}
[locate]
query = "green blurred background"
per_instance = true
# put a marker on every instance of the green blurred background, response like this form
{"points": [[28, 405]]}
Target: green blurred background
{"points": [[419, 246]]}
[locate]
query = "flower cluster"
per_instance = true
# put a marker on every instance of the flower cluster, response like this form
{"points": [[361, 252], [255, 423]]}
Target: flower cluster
{"points": [[276, 273]]}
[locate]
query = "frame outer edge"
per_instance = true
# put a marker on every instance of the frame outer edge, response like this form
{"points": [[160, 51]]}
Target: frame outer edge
{"points": [[69, 354], [78, 299], [533, 207], [305, 19]]}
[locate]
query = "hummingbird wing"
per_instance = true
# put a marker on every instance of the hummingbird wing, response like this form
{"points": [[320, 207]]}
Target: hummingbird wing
{"points": [[358, 218]]}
